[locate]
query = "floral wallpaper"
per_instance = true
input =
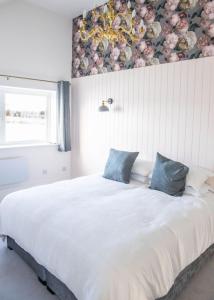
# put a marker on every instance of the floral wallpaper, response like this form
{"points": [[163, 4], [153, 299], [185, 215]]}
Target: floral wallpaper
{"points": [[175, 30]]}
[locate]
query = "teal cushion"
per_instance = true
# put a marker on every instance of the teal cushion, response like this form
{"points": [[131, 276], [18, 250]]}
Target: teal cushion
{"points": [[169, 176], [119, 165]]}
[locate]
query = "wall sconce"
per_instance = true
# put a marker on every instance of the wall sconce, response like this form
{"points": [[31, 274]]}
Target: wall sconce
{"points": [[105, 105]]}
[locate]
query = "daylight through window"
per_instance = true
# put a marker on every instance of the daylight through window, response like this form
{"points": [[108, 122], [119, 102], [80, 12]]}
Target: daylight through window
{"points": [[27, 116]]}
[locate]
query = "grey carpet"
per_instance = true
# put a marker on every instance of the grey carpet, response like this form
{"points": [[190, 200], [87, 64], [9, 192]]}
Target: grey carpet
{"points": [[18, 281]]}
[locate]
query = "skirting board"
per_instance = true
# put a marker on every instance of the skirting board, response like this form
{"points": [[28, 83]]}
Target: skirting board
{"points": [[60, 289]]}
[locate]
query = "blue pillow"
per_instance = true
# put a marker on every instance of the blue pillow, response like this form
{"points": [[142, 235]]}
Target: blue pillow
{"points": [[169, 176], [119, 165]]}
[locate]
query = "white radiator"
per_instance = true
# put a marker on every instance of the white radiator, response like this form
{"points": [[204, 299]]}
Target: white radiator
{"points": [[13, 170]]}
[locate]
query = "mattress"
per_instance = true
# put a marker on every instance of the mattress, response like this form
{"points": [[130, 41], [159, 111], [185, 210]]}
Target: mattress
{"points": [[106, 240]]}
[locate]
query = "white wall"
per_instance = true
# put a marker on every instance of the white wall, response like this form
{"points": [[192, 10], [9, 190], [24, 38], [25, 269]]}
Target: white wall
{"points": [[167, 108], [35, 43]]}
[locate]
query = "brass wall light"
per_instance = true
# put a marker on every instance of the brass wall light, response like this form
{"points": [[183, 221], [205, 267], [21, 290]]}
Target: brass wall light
{"points": [[105, 105]]}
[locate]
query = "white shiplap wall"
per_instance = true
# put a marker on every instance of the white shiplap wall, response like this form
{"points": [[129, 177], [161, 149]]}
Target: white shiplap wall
{"points": [[167, 108]]}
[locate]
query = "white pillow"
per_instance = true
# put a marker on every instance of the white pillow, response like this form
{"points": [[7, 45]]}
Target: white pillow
{"points": [[197, 177], [200, 193], [139, 178], [142, 168]]}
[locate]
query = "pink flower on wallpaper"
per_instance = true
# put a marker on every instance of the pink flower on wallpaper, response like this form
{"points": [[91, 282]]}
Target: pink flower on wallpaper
{"points": [[210, 30], [78, 49], [136, 54], [181, 55], [150, 15], [122, 46], [139, 63], [174, 32], [171, 41], [82, 53], [171, 5], [173, 57], [100, 62], [77, 37], [143, 11], [94, 45], [139, 1], [202, 2], [183, 15], [95, 57], [123, 8], [167, 52], [142, 46], [208, 12], [116, 67], [115, 53], [202, 42], [76, 63], [80, 23], [148, 52], [117, 22], [141, 29], [77, 74], [118, 5], [95, 18], [205, 23], [174, 19], [94, 71], [168, 14], [166, 29], [182, 26], [208, 51]]}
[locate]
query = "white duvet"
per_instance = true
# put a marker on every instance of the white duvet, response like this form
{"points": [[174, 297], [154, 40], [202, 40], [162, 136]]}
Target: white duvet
{"points": [[107, 240]]}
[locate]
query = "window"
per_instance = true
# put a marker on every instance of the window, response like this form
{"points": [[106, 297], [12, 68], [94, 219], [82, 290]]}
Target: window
{"points": [[27, 116]]}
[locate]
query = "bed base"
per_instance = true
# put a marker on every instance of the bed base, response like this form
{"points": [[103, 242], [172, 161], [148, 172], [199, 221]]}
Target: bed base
{"points": [[55, 286]]}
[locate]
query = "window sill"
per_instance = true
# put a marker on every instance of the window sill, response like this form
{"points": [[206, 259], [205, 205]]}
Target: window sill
{"points": [[15, 146]]}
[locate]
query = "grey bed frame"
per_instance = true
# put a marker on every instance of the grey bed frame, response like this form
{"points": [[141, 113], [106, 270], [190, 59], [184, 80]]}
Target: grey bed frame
{"points": [[55, 286]]}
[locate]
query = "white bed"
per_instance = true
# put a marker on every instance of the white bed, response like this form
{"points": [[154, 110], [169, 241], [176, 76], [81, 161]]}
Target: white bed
{"points": [[106, 240]]}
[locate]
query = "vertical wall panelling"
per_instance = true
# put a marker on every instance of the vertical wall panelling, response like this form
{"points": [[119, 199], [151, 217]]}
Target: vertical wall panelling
{"points": [[167, 108]]}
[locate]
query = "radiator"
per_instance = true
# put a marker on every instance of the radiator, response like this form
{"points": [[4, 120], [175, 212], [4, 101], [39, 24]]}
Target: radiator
{"points": [[13, 170]]}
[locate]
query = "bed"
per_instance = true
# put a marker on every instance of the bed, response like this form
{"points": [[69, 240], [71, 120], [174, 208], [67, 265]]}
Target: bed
{"points": [[95, 239]]}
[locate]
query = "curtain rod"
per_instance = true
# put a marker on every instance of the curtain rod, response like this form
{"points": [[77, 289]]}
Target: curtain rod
{"points": [[26, 78]]}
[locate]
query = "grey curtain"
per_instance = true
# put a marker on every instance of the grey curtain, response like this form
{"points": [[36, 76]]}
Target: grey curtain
{"points": [[64, 119]]}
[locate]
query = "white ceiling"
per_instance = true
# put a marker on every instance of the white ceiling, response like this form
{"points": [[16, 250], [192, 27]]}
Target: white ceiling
{"points": [[68, 8]]}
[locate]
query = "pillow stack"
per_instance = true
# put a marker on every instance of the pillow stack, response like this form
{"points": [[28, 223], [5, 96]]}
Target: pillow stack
{"points": [[168, 176], [199, 181], [142, 170]]}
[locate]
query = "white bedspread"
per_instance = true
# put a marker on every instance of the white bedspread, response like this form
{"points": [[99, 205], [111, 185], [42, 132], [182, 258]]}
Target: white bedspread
{"points": [[106, 240]]}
